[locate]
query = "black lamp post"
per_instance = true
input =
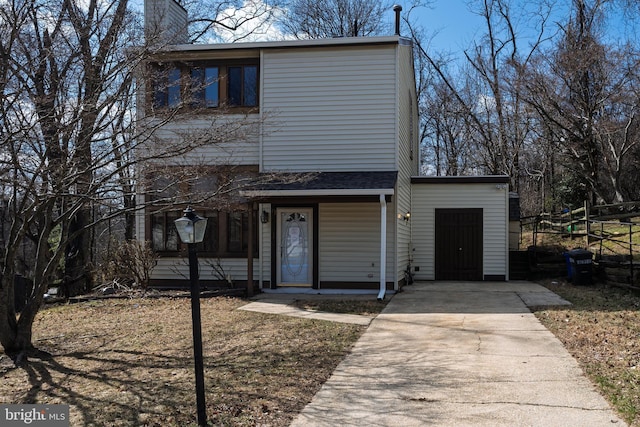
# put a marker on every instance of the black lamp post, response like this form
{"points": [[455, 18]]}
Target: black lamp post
{"points": [[191, 228]]}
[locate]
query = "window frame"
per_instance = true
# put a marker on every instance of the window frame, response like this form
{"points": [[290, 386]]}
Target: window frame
{"points": [[242, 101], [216, 244], [165, 81], [160, 90], [200, 94], [217, 236], [166, 220]]}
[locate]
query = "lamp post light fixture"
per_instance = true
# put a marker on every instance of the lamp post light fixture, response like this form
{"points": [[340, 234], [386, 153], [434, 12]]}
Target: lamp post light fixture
{"points": [[191, 228]]}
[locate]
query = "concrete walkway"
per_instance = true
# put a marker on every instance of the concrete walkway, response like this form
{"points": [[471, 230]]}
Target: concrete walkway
{"points": [[281, 304], [459, 354]]}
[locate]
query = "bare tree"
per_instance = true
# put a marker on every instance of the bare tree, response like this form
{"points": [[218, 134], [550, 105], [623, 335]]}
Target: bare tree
{"points": [[586, 93], [559, 116], [71, 139], [314, 19], [486, 94], [447, 149], [237, 19]]}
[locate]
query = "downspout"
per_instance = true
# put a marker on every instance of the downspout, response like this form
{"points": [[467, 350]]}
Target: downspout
{"points": [[383, 247]]}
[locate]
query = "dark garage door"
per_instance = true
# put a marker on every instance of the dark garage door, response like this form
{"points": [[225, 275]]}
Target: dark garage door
{"points": [[459, 244]]}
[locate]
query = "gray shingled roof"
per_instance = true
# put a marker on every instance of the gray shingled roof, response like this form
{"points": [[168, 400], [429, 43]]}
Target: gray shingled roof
{"points": [[332, 181]]}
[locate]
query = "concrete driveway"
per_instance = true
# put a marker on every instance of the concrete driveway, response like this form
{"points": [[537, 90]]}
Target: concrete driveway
{"points": [[460, 354]]}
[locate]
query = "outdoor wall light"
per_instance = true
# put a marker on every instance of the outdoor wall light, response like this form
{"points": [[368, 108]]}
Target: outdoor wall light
{"points": [[191, 228], [405, 217], [264, 217]]}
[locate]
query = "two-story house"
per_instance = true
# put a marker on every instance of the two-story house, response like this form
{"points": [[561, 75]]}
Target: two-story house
{"points": [[341, 114]]}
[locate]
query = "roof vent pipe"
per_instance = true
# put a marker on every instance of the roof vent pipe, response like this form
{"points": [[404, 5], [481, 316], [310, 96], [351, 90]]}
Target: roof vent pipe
{"points": [[397, 9]]}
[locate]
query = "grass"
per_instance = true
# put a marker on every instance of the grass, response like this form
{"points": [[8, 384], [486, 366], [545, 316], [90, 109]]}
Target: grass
{"points": [[616, 239], [612, 238], [361, 307], [130, 362], [602, 331]]}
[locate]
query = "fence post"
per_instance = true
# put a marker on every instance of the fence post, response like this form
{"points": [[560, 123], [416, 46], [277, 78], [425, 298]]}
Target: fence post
{"points": [[586, 222], [570, 223], [601, 237], [631, 253]]}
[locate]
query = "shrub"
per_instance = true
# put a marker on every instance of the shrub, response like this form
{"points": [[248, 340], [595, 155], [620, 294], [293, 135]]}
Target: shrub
{"points": [[130, 264]]}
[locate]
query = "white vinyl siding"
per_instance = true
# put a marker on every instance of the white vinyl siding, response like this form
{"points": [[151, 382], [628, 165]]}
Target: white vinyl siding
{"points": [[407, 141], [349, 242], [333, 105], [140, 219], [171, 268], [264, 266], [165, 21], [240, 146], [493, 201], [408, 150], [329, 109]]}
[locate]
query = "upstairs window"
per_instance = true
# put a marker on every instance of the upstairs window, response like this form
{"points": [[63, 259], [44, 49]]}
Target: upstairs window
{"points": [[173, 88], [243, 86], [205, 85], [167, 88]]}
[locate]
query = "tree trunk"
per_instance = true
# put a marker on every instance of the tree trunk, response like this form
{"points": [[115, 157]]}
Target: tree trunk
{"points": [[78, 262], [8, 321], [129, 214], [16, 332]]}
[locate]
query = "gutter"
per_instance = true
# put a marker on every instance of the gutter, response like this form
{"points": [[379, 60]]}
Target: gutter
{"points": [[319, 192]]}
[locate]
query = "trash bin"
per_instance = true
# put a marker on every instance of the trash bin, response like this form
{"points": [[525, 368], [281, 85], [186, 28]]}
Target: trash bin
{"points": [[581, 262], [568, 264]]}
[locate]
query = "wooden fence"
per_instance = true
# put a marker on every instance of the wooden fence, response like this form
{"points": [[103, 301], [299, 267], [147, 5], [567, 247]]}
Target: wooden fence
{"points": [[606, 230]]}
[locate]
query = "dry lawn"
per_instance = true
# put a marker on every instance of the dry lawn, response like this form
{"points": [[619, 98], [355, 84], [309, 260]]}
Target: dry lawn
{"points": [[129, 362], [602, 331]]}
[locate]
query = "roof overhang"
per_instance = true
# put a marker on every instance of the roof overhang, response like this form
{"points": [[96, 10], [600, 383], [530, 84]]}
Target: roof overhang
{"points": [[482, 179], [253, 49], [326, 184], [318, 193], [280, 44]]}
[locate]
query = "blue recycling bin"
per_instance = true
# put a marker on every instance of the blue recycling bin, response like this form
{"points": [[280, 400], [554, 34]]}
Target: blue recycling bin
{"points": [[581, 261], [568, 264]]}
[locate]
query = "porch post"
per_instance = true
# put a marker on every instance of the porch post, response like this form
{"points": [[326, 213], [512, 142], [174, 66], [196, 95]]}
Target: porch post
{"points": [[250, 252], [383, 247]]}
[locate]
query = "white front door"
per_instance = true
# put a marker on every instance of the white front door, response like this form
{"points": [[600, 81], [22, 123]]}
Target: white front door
{"points": [[294, 249]]}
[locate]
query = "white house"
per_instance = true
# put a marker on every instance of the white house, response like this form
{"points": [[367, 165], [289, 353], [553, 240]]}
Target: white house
{"points": [[345, 111]]}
